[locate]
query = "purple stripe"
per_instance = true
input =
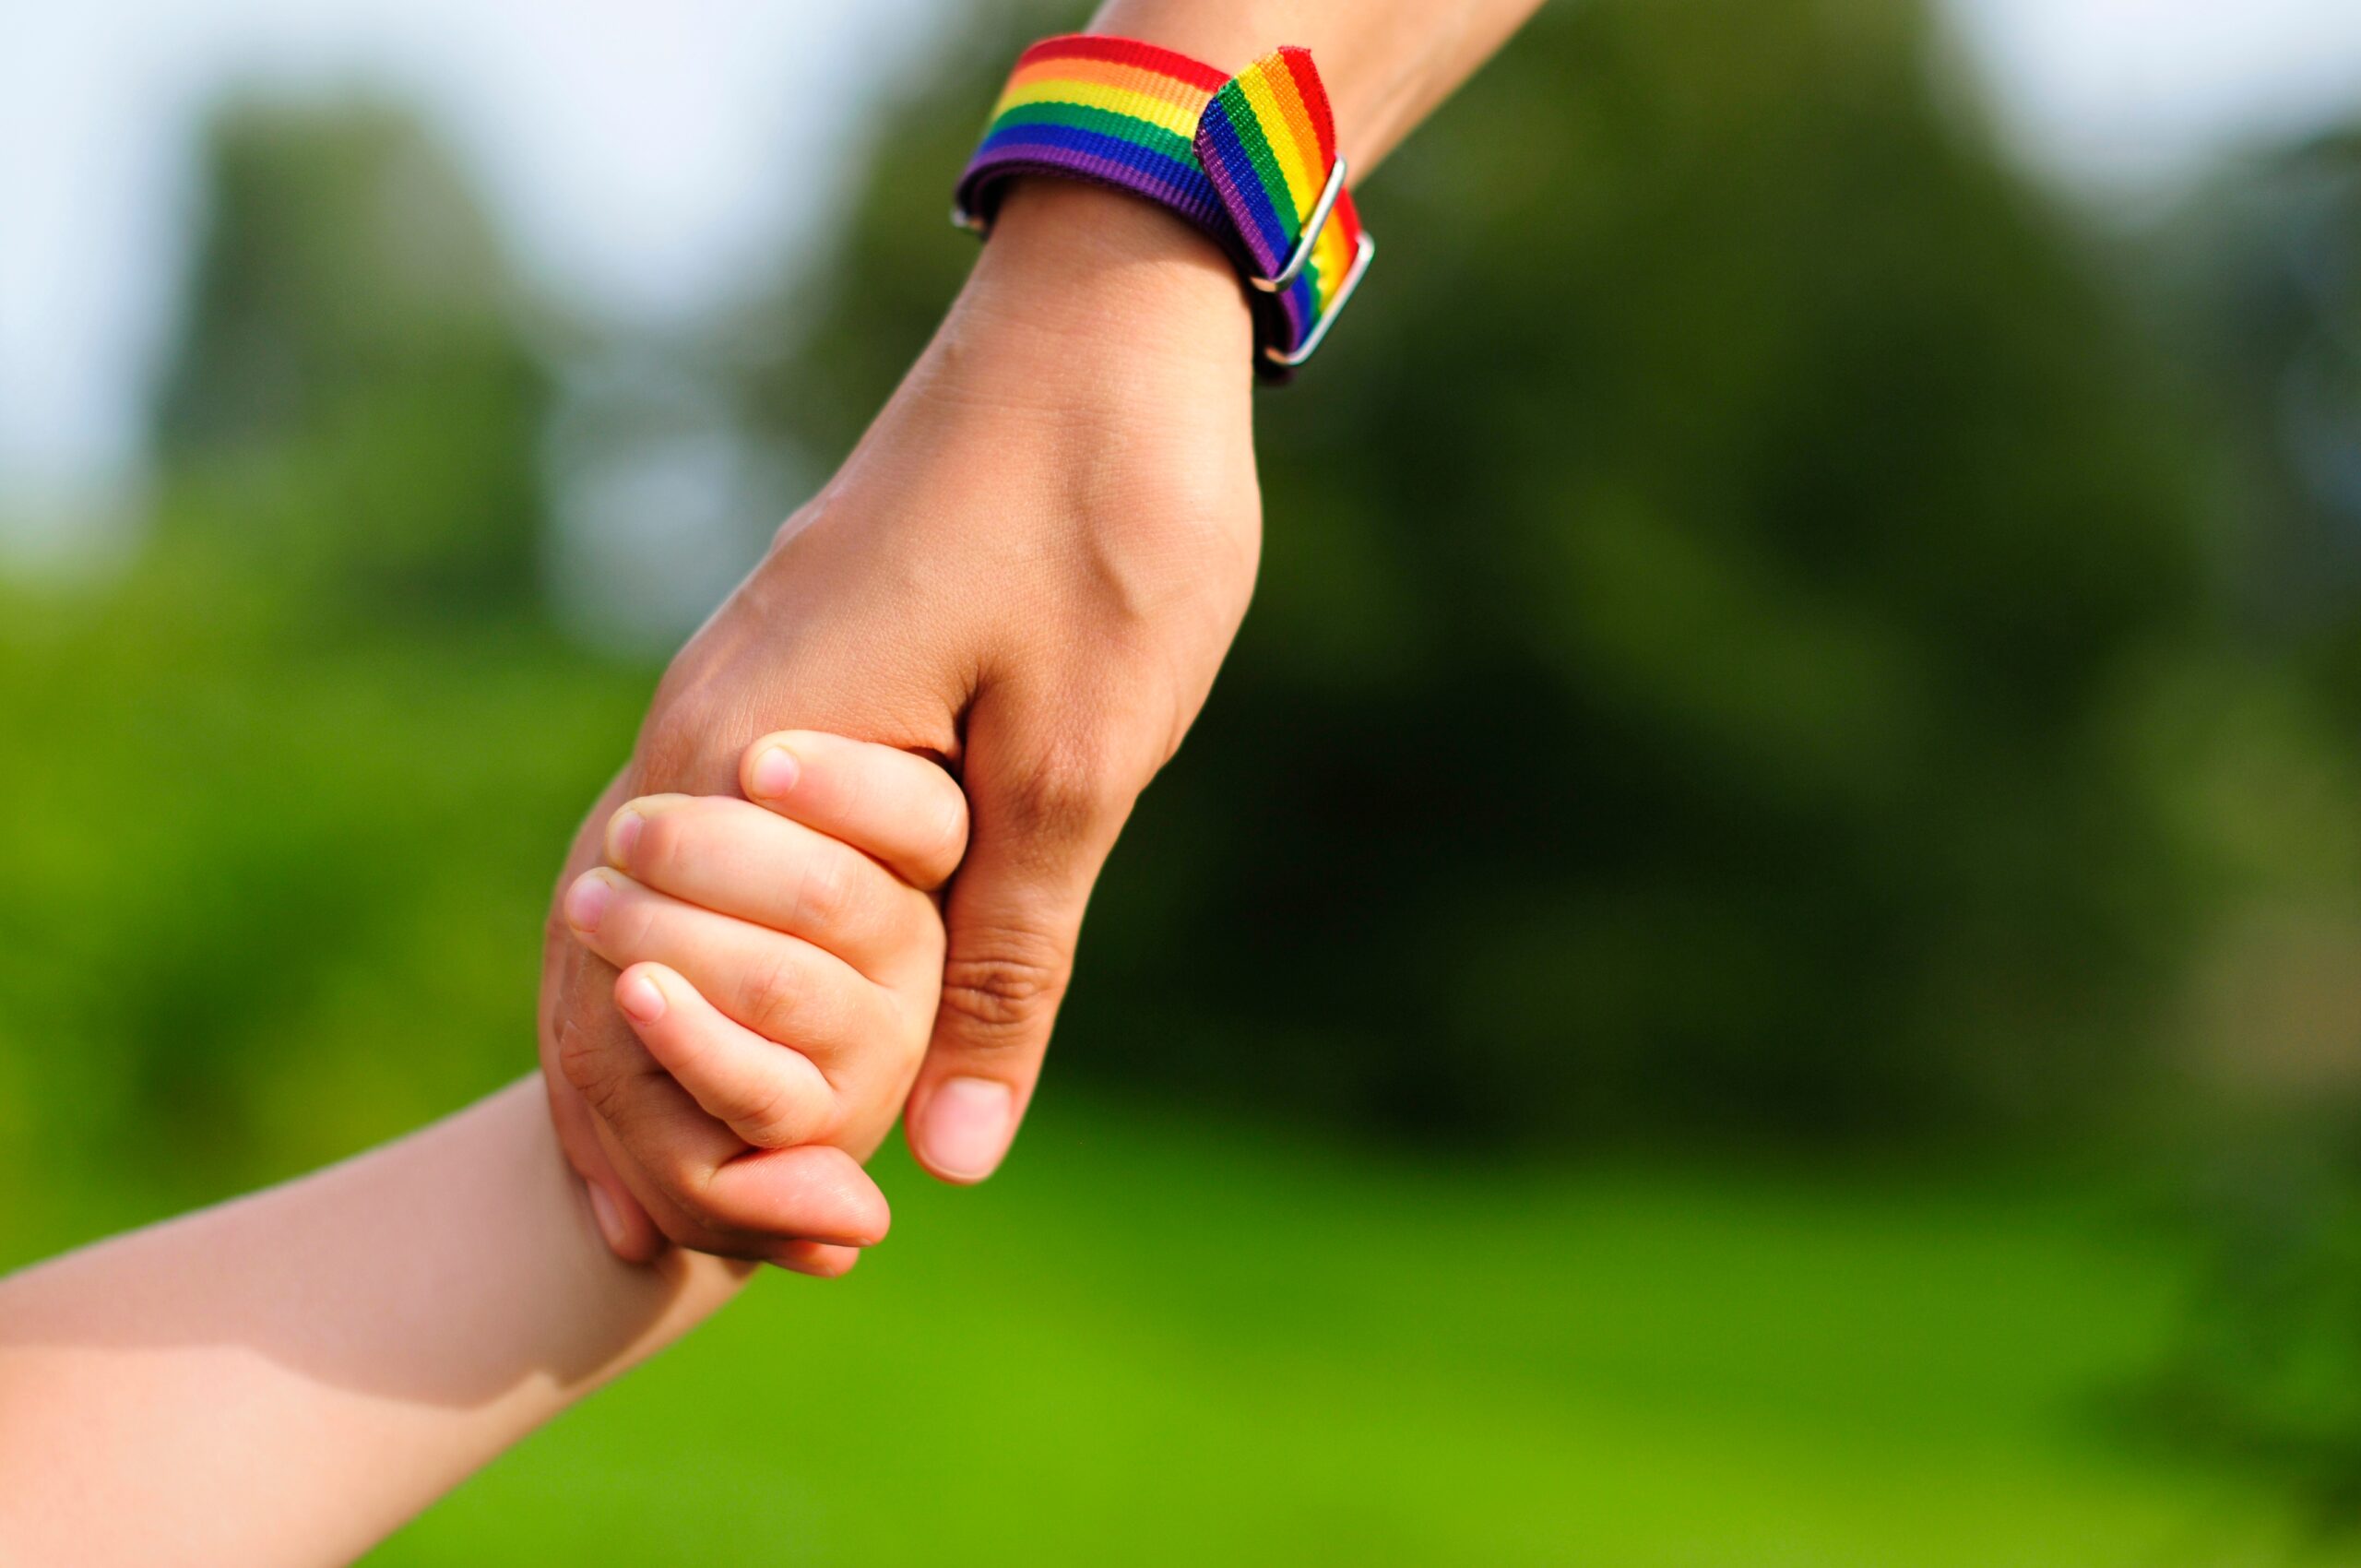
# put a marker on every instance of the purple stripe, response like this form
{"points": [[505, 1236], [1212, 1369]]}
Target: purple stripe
{"points": [[1303, 308], [1223, 154], [1148, 155], [1291, 314], [1195, 199]]}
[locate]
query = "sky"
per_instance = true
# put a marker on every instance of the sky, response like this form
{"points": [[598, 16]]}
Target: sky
{"points": [[640, 163]]}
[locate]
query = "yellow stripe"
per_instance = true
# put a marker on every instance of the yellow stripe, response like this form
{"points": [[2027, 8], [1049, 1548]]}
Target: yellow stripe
{"points": [[1159, 112], [1334, 259], [1288, 95], [1302, 185]]}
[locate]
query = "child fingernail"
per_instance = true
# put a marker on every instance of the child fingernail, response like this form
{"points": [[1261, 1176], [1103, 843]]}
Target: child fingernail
{"points": [[641, 997], [622, 833], [609, 1219], [967, 1126], [587, 900], [775, 772]]}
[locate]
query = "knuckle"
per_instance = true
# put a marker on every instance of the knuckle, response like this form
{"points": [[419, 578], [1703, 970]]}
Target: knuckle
{"points": [[1004, 990], [774, 1118], [826, 892], [586, 1065], [1066, 792], [776, 997], [686, 1179]]}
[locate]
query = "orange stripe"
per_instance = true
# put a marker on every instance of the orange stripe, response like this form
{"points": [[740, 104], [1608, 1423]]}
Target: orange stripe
{"points": [[1176, 119], [1104, 73], [1316, 98], [1298, 118]]}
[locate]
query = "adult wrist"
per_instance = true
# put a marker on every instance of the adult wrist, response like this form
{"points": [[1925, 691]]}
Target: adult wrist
{"points": [[1079, 266]]}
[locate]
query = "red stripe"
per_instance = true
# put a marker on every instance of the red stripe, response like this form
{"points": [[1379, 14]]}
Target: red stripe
{"points": [[1315, 99], [1126, 51], [1346, 218]]}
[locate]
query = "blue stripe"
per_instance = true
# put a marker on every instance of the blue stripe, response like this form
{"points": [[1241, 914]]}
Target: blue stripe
{"points": [[1097, 144], [1218, 130], [1304, 295]]}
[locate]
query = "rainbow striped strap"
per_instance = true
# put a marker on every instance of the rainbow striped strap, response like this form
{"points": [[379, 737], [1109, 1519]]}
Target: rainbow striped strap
{"points": [[1250, 160]]}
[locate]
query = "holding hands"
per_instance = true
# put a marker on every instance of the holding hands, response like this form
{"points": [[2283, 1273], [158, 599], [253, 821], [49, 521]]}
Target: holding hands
{"points": [[970, 652], [778, 959], [1030, 567]]}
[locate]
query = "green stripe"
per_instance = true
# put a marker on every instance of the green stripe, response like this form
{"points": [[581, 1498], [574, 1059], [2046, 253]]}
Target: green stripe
{"points": [[1257, 147], [1106, 122]]}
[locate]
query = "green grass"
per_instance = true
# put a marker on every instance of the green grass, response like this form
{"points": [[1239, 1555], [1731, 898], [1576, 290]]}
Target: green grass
{"points": [[1151, 1341]]}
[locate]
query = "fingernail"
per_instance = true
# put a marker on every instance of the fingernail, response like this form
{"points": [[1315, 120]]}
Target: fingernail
{"points": [[641, 997], [622, 833], [587, 900], [967, 1127], [775, 772], [610, 1218]]}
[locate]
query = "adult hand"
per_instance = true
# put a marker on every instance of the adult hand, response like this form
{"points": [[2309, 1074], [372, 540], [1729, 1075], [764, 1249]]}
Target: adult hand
{"points": [[1031, 566]]}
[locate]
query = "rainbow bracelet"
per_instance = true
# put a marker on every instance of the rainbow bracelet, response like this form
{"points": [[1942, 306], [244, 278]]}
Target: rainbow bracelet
{"points": [[1252, 159]]}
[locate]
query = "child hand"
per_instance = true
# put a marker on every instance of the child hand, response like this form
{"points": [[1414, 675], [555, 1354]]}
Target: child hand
{"points": [[782, 963]]}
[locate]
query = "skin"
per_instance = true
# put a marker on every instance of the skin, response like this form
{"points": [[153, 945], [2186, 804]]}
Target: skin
{"points": [[1030, 568], [283, 1380]]}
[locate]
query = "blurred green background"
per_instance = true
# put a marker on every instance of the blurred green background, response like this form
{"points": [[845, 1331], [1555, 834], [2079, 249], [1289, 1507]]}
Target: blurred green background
{"points": [[1757, 960]]}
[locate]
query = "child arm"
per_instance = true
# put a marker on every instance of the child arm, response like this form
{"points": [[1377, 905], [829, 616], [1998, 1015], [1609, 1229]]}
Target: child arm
{"points": [[286, 1378]]}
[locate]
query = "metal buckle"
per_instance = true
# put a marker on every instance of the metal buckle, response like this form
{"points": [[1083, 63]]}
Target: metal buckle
{"points": [[1302, 256], [1310, 235], [1362, 258], [1312, 227]]}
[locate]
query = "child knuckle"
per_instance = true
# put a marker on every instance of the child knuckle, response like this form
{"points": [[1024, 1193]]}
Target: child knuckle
{"points": [[826, 892], [776, 997], [774, 1118]]}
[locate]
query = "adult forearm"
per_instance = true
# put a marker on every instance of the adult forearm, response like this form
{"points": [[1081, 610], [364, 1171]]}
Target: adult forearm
{"points": [[1387, 64], [285, 1379], [1031, 565]]}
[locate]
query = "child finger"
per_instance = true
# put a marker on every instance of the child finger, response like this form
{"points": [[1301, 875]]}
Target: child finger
{"points": [[770, 1095], [781, 987], [817, 1259], [902, 808], [738, 859], [813, 1193], [659, 1133]]}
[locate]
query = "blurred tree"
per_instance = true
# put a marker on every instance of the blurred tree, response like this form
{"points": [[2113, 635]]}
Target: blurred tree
{"points": [[1712, 585], [350, 394], [2262, 284], [2269, 276], [304, 775]]}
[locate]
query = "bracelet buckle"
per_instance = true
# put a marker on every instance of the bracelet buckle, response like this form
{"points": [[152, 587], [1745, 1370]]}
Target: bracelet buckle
{"points": [[1314, 226], [1232, 155], [1365, 253], [1311, 236]]}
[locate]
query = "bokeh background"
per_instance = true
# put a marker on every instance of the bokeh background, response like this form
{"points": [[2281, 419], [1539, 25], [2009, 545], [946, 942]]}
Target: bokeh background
{"points": [[1757, 960]]}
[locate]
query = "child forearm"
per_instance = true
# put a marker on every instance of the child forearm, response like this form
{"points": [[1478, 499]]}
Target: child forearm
{"points": [[284, 1379]]}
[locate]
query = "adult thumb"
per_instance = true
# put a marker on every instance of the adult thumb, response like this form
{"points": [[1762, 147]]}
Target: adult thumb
{"points": [[1041, 833]]}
